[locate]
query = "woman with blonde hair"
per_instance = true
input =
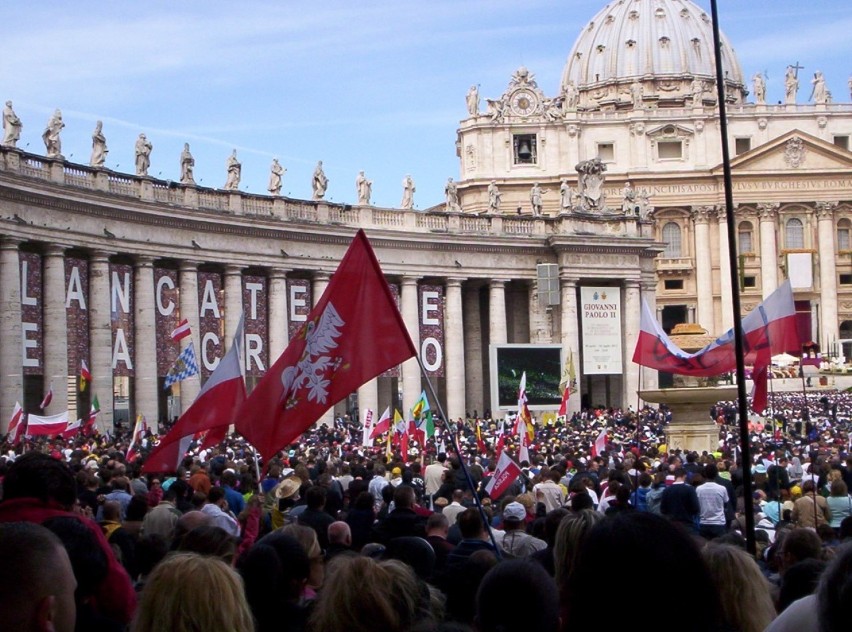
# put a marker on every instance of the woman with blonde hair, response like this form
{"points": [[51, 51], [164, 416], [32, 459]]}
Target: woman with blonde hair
{"points": [[569, 540], [743, 590], [363, 595], [177, 597], [307, 537]]}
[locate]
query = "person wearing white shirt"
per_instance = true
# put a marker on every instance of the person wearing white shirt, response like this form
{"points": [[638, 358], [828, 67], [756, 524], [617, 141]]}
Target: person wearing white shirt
{"points": [[712, 499], [217, 508]]}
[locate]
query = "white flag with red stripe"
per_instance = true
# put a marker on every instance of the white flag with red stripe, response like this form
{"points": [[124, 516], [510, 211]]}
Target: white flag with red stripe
{"points": [[181, 331], [599, 446], [17, 424], [382, 425], [48, 397], [50, 425]]}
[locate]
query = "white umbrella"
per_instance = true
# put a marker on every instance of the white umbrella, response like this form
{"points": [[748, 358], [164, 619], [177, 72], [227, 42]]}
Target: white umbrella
{"points": [[784, 359]]}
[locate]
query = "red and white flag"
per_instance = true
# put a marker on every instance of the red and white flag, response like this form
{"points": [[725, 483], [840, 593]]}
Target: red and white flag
{"points": [[48, 397], [354, 333], [140, 427], [367, 428], [17, 425], [769, 329], [599, 446], [72, 428], [52, 425], [382, 425], [523, 424], [506, 473], [85, 375], [181, 331], [215, 408]]}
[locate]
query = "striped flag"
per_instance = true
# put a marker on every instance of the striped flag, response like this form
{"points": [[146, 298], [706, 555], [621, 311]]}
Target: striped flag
{"points": [[181, 331], [93, 414], [48, 397], [382, 425], [140, 427], [85, 376], [17, 424], [185, 366]]}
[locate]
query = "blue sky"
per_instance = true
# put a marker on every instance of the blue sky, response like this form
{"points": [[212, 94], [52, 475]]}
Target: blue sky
{"points": [[372, 85]]}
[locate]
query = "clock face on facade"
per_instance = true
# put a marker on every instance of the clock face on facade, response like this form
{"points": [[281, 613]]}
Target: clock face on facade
{"points": [[524, 103]]}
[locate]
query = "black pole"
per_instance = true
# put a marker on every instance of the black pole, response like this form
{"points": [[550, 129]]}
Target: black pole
{"points": [[735, 287]]}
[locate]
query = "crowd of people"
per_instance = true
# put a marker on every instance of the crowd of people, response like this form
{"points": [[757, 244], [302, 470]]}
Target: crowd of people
{"points": [[334, 535]]}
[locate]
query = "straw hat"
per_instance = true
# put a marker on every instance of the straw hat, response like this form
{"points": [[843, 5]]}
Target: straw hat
{"points": [[287, 488]]}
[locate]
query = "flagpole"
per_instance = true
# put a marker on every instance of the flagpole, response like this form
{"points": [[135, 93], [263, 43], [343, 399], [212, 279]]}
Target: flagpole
{"points": [[448, 425], [739, 347]]}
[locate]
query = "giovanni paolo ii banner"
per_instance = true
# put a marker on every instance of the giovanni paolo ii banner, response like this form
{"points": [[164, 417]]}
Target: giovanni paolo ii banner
{"points": [[600, 311]]}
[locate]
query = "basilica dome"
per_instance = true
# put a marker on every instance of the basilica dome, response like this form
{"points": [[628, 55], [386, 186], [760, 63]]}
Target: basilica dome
{"points": [[665, 46]]}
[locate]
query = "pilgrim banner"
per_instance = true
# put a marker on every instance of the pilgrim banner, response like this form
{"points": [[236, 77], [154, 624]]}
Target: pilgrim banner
{"points": [[211, 323], [77, 312], [166, 317], [255, 299], [121, 317], [32, 321], [394, 288], [431, 313], [299, 304], [601, 321]]}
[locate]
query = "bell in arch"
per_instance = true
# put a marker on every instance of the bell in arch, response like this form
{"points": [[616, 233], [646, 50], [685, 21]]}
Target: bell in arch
{"points": [[524, 150]]}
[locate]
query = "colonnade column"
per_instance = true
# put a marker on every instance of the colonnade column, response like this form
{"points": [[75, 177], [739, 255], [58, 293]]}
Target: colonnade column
{"points": [[632, 318], [145, 384], [11, 370], [278, 334], [368, 398], [233, 302], [318, 285], [570, 336], [100, 337], [497, 312], [541, 329], [454, 350], [56, 331], [473, 382], [650, 377], [726, 321], [189, 309], [829, 327], [768, 214], [703, 266], [411, 382]]}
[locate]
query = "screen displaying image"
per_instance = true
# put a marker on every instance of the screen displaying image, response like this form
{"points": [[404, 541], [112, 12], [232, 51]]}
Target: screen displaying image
{"points": [[543, 365]]}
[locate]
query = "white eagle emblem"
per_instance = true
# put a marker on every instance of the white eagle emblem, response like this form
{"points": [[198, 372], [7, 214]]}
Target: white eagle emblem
{"points": [[311, 370]]}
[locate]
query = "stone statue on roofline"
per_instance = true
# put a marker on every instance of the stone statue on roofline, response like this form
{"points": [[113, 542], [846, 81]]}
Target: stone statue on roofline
{"points": [[759, 89], [235, 170], [319, 182], [494, 198], [143, 150], [408, 190], [472, 101], [187, 166], [276, 175], [364, 188], [12, 126], [452, 193], [50, 136], [99, 146]]}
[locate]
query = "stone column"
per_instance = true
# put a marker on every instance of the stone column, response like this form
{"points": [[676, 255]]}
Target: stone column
{"points": [[703, 266], [11, 349], [189, 309], [473, 373], [278, 334], [411, 381], [541, 327], [497, 312], [650, 377], [318, 285], [145, 383], [768, 214], [829, 327], [100, 337], [56, 331], [454, 347], [570, 337], [726, 321], [233, 302], [632, 318]]}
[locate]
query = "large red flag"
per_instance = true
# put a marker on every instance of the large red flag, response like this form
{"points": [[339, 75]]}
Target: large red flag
{"points": [[354, 333], [215, 408]]}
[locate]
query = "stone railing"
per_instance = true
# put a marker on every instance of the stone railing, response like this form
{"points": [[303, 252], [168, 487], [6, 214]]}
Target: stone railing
{"points": [[268, 208]]}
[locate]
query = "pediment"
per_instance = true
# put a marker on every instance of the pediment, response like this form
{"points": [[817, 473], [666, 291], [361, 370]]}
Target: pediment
{"points": [[793, 152], [670, 130]]}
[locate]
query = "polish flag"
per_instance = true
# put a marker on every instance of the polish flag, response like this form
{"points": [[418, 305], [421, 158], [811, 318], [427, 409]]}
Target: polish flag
{"points": [[181, 331], [48, 397], [17, 425], [769, 329], [382, 425], [52, 425], [506, 473], [72, 429], [215, 408], [354, 333], [599, 446]]}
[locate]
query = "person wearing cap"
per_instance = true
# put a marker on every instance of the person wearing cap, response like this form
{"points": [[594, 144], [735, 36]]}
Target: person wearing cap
{"points": [[517, 542], [396, 476]]}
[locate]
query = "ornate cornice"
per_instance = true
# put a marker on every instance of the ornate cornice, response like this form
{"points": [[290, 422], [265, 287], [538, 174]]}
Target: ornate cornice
{"points": [[768, 210], [825, 210]]}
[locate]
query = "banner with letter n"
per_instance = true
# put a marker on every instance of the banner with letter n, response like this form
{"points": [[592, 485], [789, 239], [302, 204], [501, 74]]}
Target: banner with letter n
{"points": [[601, 321]]}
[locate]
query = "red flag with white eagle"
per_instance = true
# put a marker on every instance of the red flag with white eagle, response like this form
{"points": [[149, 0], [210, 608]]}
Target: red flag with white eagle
{"points": [[354, 333], [506, 473]]}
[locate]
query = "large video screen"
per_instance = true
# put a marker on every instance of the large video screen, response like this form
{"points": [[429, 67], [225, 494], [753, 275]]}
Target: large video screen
{"points": [[543, 365]]}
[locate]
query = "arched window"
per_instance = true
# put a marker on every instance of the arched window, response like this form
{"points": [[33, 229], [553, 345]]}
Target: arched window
{"points": [[843, 234], [672, 239], [794, 234], [744, 241]]}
